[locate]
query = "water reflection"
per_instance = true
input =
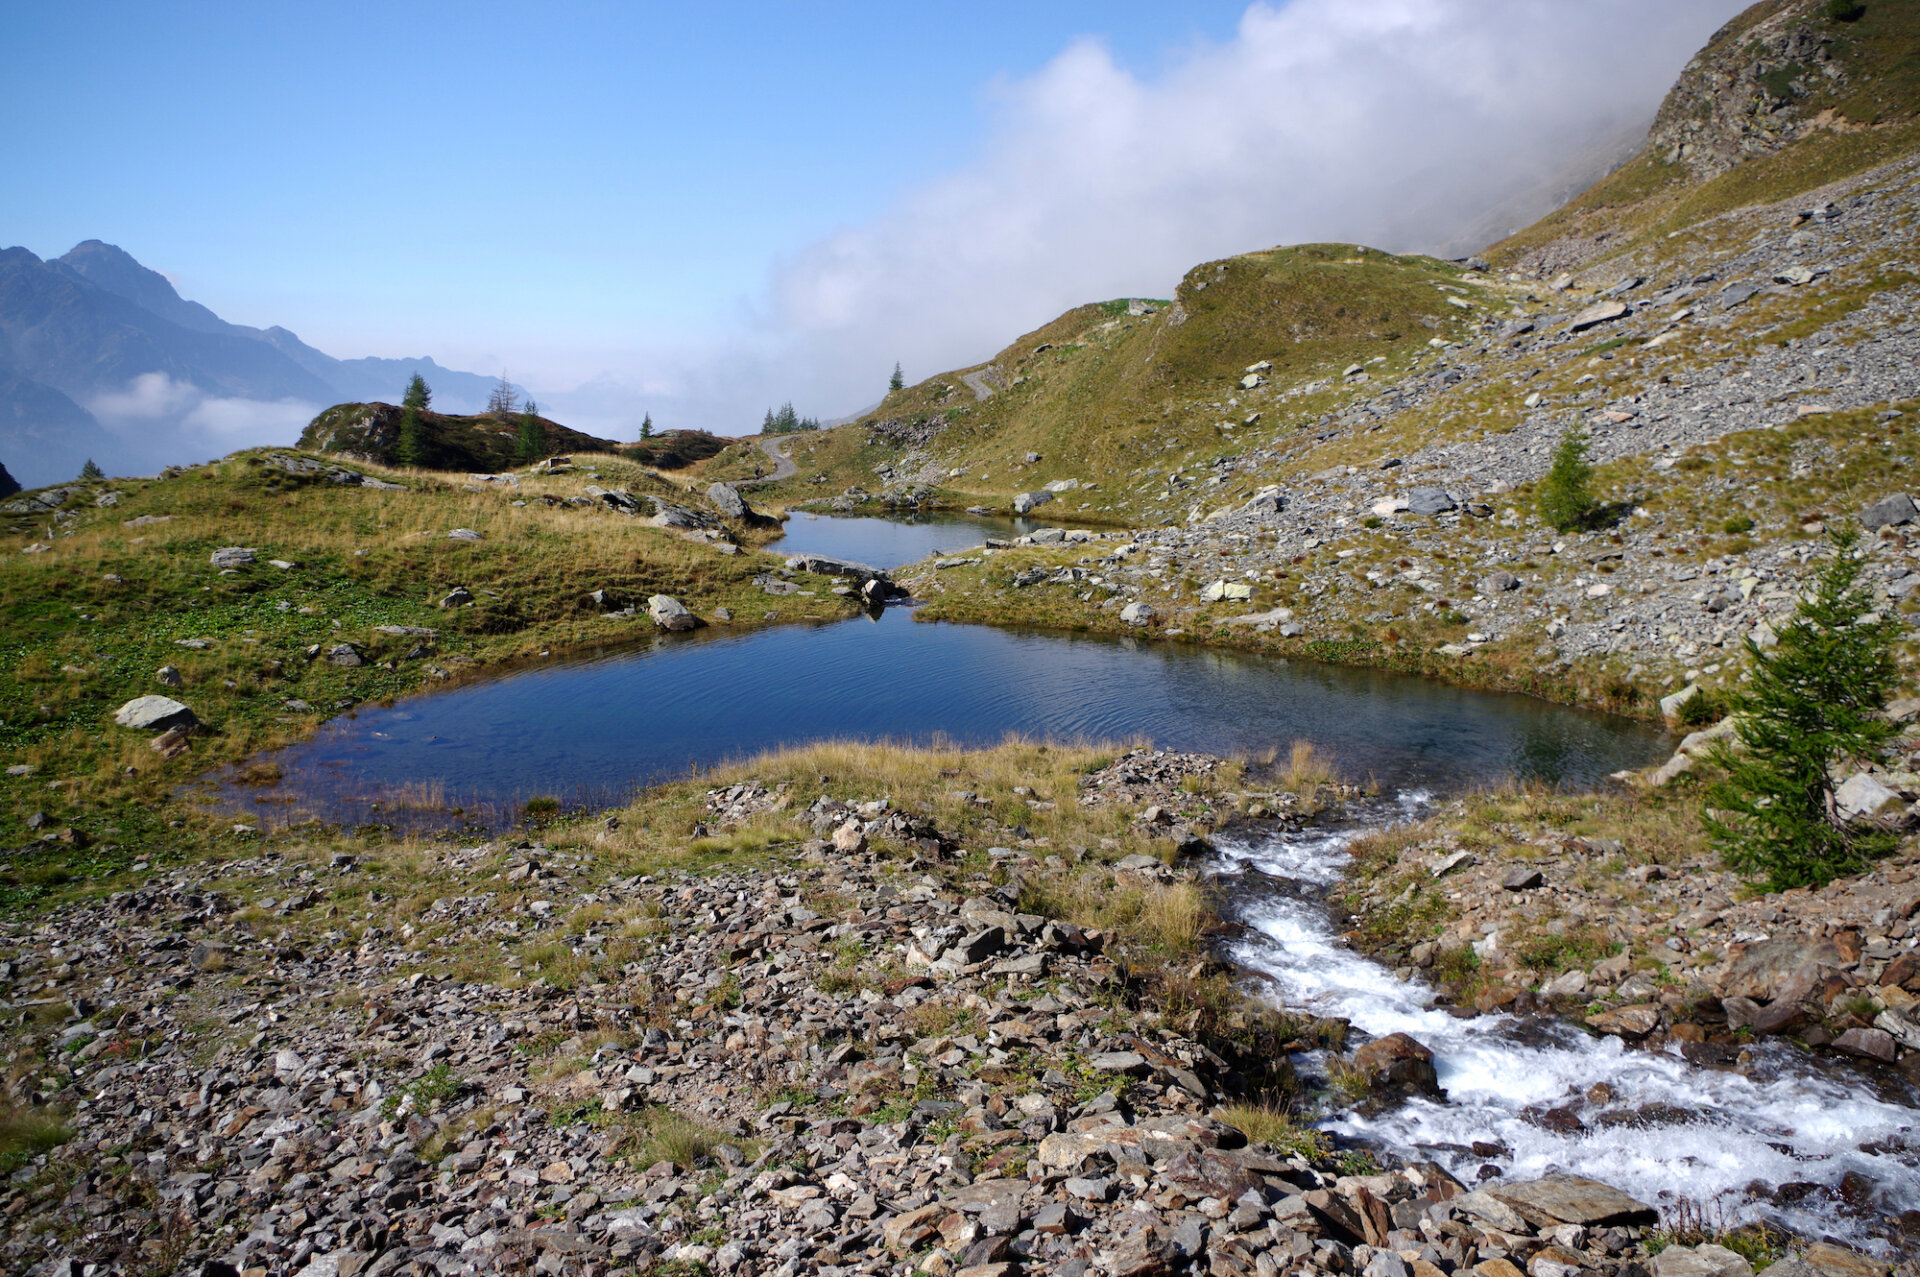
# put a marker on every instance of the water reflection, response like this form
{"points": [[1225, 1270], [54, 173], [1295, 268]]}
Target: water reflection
{"points": [[597, 726]]}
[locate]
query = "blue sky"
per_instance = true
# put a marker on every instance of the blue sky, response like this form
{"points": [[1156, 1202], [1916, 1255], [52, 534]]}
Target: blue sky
{"points": [[381, 172], [717, 205]]}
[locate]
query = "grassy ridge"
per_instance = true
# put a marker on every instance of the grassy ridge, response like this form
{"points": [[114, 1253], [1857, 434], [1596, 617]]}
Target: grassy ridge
{"points": [[447, 442], [1097, 391]]}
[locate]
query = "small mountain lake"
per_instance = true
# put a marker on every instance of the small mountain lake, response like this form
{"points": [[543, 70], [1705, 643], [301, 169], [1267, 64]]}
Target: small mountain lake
{"points": [[593, 727]]}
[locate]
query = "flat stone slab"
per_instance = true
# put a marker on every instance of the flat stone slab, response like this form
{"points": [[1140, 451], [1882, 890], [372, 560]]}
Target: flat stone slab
{"points": [[233, 556], [154, 714], [1599, 313], [1573, 1199]]}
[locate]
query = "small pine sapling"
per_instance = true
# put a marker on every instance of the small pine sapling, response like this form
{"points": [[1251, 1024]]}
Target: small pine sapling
{"points": [[1814, 702], [1566, 494]]}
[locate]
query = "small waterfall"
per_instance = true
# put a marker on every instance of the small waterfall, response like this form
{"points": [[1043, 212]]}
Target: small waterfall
{"points": [[1829, 1151]]}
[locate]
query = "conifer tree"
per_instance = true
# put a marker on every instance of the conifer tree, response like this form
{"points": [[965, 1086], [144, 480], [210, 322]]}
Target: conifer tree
{"points": [[418, 394], [646, 426], [409, 449], [1812, 703], [1566, 498], [91, 471], [501, 401], [896, 382], [533, 436]]}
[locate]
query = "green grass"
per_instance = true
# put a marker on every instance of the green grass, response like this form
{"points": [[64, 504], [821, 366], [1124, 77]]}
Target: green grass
{"points": [[27, 1133], [1549, 954], [85, 626], [1100, 390]]}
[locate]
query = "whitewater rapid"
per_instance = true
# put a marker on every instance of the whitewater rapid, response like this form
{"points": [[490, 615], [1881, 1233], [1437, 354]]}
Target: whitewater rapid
{"points": [[1660, 1127]]}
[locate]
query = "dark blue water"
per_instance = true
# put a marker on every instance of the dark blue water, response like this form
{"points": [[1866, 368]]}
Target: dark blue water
{"points": [[888, 543], [592, 729]]}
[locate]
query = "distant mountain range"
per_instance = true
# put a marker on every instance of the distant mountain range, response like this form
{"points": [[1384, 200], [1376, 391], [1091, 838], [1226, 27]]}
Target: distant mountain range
{"points": [[101, 358]]}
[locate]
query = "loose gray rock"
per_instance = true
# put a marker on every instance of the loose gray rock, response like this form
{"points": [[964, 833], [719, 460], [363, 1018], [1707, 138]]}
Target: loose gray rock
{"points": [[345, 655], [727, 501], [670, 614], [1889, 511], [234, 556], [154, 714], [1137, 613], [464, 534], [1429, 501], [1027, 502], [1599, 313]]}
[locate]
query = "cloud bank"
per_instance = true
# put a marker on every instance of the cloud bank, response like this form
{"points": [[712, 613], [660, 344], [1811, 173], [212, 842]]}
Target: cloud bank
{"points": [[1433, 125], [158, 420]]}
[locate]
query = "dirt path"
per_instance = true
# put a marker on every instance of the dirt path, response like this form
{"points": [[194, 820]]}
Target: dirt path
{"points": [[782, 468], [977, 383]]}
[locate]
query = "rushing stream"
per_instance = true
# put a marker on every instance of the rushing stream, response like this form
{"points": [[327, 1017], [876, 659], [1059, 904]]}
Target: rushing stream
{"points": [[1833, 1144]]}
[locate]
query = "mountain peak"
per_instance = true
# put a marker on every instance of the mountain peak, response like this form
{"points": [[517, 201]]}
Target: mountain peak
{"points": [[111, 267]]}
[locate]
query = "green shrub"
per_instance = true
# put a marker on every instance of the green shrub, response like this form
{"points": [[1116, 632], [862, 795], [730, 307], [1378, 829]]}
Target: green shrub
{"points": [[1736, 525], [1566, 496], [1702, 709], [1845, 10], [1812, 703], [1372, 521]]}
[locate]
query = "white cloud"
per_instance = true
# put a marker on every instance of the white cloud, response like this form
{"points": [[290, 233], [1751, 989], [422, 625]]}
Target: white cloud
{"points": [[1404, 124], [160, 421], [152, 396], [250, 421]]}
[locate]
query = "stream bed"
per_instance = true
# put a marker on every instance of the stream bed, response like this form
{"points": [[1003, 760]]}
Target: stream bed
{"points": [[1830, 1147]]}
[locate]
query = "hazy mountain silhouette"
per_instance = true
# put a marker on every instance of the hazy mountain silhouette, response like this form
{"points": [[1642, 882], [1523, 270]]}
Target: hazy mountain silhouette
{"points": [[101, 357]]}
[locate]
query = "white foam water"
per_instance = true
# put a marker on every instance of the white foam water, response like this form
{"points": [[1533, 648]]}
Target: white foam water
{"points": [[1688, 1132]]}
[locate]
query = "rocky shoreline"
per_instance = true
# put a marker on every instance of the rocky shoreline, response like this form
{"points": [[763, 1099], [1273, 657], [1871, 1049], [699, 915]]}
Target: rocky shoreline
{"points": [[876, 1052]]}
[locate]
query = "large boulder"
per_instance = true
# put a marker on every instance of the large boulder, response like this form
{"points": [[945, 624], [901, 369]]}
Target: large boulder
{"points": [[1429, 501], [1774, 968], [1136, 614], [154, 714], [1672, 703], [345, 655], [1704, 1260], [728, 502], [1889, 511], [1597, 314], [233, 556], [670, 614], [1027, 502], [825, 565], [1572, 1199], [1223, 589], [1498, 583], [1861, 797], [1398, 1061]]}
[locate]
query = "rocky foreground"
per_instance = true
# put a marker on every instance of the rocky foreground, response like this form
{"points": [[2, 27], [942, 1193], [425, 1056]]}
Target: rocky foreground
{"points": [[877, 1054]]}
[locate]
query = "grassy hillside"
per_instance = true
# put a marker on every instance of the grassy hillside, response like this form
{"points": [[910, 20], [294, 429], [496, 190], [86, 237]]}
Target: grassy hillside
{"points": [[481, 444], [1099, 390], [114, 582]]}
